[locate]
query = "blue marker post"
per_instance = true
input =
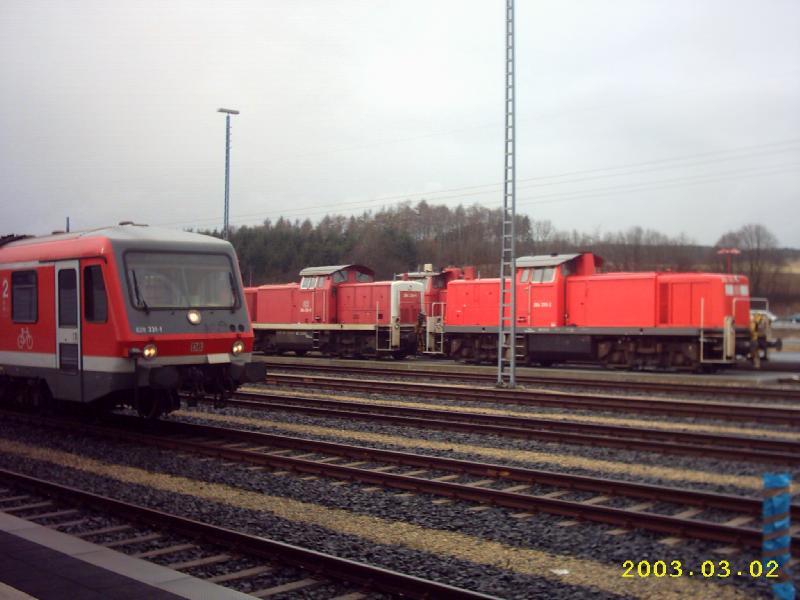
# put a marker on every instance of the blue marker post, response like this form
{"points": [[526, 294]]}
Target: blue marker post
{"points": [[777, 539]]}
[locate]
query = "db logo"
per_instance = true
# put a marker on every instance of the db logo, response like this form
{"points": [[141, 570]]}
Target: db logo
{"points": [[25, 339], [306, 306], [196, 347]]}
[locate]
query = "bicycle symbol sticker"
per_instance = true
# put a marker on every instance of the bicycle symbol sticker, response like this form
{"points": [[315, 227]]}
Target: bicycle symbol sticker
{"points": [[25, 339]]}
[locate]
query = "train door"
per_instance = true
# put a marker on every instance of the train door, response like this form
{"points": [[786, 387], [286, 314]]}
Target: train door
{"points": [[524, 297], [68, 330], [544, 311], [310, 299]]}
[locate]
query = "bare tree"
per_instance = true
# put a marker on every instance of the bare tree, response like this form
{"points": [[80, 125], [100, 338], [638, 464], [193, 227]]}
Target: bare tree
{"points": [[761, 260]]}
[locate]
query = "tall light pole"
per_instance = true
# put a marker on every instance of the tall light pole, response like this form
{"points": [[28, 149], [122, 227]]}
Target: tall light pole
{"points": [[228, 112]]}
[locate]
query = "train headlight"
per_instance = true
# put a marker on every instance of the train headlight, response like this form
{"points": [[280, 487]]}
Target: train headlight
{"points": [[150, 351], [194, 317], [238, 347]]}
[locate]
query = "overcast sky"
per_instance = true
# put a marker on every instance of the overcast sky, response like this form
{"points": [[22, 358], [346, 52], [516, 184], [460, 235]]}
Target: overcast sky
{"points": [[676, 115]]}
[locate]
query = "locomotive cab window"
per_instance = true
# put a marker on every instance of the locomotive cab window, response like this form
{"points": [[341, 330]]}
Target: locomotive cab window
{"points": [[544, 275], [339, 277], [525, 275], [95, 307], [24, 297], [363, 278], [320, 282], [167, 280]]}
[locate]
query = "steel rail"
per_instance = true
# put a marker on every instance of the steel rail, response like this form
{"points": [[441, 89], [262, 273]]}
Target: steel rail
{"points": [[215, 441], [570, 432], [333, 567], [552, 398], [747, 391]]}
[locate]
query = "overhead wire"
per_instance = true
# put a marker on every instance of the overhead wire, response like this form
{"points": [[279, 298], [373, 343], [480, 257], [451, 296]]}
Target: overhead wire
{"points": [[688, 161]]}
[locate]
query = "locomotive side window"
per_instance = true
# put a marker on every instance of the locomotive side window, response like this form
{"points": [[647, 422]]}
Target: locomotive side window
{"points": [[320, 282], [24, 294], [94, 294], [67, 298], [729, 289], [307, 283], [339, 277], [523, 278], [363, 278], [544, 275]]}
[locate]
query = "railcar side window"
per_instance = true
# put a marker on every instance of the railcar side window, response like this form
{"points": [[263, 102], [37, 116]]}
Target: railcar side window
{"points": [[24, 295], [67, 298], [94, 295]]}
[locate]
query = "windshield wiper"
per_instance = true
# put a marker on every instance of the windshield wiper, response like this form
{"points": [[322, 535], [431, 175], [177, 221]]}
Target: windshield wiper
{"points": [[140, 301], [234, 291]]}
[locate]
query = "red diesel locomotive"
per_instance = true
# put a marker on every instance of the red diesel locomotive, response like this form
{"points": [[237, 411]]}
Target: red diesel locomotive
{"points": [[339, 311], [124, 315], [567, 311]]}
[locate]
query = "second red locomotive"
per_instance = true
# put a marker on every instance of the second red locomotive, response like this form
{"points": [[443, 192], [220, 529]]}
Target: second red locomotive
{"points": [[337, 310]]}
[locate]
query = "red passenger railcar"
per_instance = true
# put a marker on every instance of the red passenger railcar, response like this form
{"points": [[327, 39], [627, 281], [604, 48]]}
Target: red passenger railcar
{"points": [[337, 310], [567, 310], [124, 315]]}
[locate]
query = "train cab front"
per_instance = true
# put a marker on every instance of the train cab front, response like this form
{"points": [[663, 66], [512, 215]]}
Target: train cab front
{"points": [[190, 327]]}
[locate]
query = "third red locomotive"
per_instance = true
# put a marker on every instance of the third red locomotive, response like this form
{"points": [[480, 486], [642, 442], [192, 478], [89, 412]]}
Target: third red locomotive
{"points": [[567, 310]]}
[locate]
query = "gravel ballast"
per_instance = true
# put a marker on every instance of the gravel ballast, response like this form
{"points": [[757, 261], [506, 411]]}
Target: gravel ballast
{"points": [[494, 525]]}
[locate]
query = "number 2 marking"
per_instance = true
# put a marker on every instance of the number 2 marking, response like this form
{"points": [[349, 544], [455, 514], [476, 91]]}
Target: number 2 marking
{"points": [[5, 288]]}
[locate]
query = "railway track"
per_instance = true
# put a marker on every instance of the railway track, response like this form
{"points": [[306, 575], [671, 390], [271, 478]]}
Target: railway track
{"points": [[319, 569], [565, 380], [726, 411], [650, 507], [729, 447]]}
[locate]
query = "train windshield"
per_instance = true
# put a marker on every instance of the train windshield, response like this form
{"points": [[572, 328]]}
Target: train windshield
{"points": [[181, 280]]}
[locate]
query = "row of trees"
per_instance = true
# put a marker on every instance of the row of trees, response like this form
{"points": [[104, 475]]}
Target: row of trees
{"points": [[404, 237]]}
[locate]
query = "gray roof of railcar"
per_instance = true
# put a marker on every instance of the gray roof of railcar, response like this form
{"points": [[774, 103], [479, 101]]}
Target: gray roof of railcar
{"points": [[311, 271], [127, 232]]}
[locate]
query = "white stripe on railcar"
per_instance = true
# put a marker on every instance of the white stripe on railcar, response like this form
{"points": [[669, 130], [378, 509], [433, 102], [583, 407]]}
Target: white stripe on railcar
{"points": [[41, 360]]}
